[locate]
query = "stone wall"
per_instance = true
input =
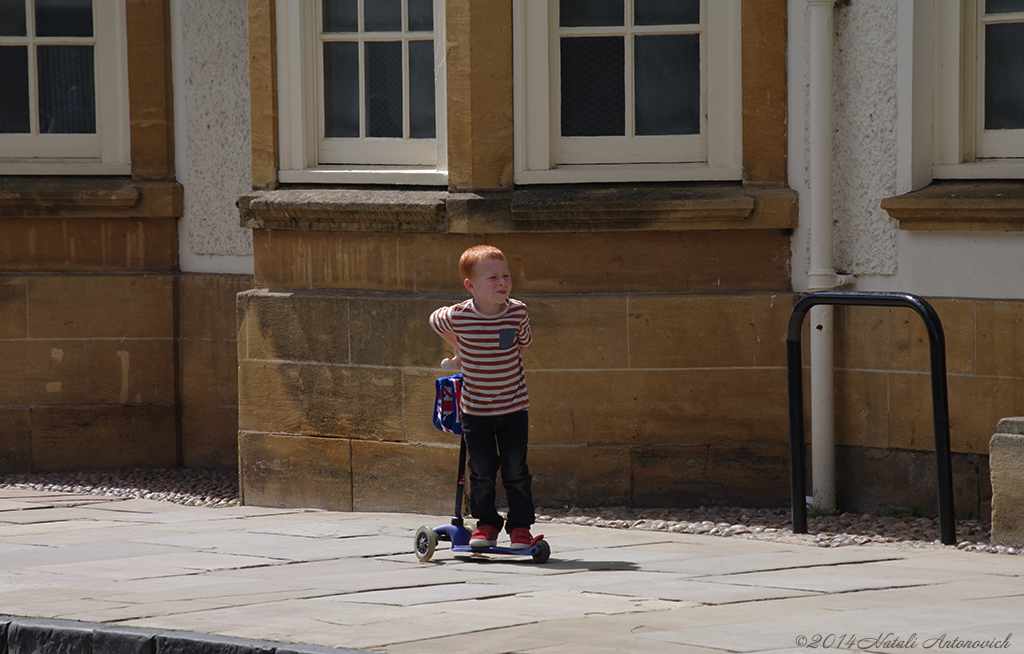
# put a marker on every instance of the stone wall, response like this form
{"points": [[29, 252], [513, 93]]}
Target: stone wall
{"points": [[98, 372], [883, 397], [636, 400], [209, 370], [89, 370]]}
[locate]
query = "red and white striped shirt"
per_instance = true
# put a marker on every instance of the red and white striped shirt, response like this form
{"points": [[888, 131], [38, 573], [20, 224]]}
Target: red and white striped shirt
{"points": [[493, 381]]}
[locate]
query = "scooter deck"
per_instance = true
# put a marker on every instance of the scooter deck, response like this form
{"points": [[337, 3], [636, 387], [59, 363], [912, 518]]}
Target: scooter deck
{"points": [[459, 538]]}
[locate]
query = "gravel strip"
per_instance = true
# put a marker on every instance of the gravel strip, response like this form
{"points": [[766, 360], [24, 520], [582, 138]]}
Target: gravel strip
{"points": [[214, 488], [187, 486]]}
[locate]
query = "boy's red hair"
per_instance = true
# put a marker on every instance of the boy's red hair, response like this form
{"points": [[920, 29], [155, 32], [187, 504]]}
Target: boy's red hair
{"points": [[475, 255]]}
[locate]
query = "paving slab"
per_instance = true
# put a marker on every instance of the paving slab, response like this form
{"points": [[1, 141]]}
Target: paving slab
{"points": [[298, 580]]}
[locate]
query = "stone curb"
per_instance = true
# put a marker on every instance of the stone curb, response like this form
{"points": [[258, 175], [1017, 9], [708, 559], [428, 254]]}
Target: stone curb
{"points": [[44, 636]]}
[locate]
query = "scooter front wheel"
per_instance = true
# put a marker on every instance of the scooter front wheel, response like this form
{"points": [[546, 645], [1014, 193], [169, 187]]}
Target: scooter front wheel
{"points": [[544, 554], [425, 542]]}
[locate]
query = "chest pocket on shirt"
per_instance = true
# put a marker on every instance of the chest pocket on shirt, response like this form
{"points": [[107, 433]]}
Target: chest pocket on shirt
{"points": [[506, 337]]}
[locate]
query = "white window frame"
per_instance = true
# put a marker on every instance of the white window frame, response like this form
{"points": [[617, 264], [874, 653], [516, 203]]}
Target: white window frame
{"points": [[300, 115], [107, 152], [961, 149], [715, 154]]}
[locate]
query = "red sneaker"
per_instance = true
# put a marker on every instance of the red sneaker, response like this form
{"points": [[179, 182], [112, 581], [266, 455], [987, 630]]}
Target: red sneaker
{"points": [[521, 538], [484, 536]]}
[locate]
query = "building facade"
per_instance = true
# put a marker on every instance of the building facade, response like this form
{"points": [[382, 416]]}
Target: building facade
{"points": [[654, 173]]}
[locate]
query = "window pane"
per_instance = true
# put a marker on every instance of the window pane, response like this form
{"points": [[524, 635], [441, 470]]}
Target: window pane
{"points": [[341, 15], [12, 18], [382, 16], [14, 90], [421, 90], [588, 13], [1003, 6], [1004, 76], [383, 76], [67, 97], [341, 90], [667, 84], [666, 12], [421, 16], [63, 18], [593, 86]]}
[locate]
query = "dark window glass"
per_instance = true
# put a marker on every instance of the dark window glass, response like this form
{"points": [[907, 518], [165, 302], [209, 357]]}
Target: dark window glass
{"points": [[422, 111], [1003, 6], [14, 117], [593, 86], [667, 84], [340, 15], [12, 18], [666, 12], [67, 98], [341, 90], [383, 76], [63, 17], [421, 16], [382, 15], [590, 13], [1004, 76]]}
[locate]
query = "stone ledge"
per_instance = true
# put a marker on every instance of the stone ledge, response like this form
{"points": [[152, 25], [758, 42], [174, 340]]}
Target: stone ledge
{"points": [[629, 208], [961, 206], [73, 637], [1010, 426], [529, 209], [88, 197], [377, 210]]}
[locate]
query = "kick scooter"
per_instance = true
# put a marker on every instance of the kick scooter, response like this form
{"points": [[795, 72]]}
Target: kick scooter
{"points": [[456, 533]]}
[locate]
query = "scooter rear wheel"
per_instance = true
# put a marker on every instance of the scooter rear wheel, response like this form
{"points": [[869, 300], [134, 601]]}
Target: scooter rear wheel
{"points": [[424, 543]]}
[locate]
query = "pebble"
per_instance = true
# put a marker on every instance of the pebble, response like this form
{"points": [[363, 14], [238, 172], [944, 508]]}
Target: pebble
{"points": [[217, 488]]}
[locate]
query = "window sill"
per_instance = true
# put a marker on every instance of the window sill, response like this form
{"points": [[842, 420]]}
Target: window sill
{"points": [[961, 206], [88, 197], [366, 175], [356, 210], [551, 209]]}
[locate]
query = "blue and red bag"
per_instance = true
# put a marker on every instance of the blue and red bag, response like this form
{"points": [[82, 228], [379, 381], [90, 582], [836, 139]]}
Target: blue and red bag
{"points": [[447, 399]]}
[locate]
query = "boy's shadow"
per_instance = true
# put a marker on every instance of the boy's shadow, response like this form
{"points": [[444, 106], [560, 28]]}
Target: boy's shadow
{"points": [[553, 563]]}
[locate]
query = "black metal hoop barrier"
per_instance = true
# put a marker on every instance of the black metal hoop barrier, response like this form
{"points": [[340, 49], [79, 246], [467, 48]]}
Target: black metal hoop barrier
{"points": [[940, 399]]}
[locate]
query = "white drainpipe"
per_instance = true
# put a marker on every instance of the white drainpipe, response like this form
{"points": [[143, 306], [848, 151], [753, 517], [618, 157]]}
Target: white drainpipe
{"points": [[822, 275]]}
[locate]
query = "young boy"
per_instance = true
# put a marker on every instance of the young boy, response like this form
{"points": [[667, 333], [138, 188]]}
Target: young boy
{"points": [[490, 333]]}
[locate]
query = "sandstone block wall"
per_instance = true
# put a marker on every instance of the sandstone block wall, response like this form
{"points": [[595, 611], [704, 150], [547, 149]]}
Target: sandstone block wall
{"points": [[89, 365], [634, 400], [209, 369], [637, 399], [118, 371], [883, 399]]}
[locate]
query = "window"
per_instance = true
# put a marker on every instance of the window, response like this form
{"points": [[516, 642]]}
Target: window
{"points": [[623, 90], [1000, 72], [979, 78], [361, 90], [62, 93]]}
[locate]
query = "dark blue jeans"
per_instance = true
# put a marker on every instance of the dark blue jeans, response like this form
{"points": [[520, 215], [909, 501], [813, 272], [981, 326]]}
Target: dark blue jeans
{"points": [[499, 443]]}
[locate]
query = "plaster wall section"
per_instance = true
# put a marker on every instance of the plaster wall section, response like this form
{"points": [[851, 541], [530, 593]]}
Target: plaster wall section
{"points": [[864, 139], [864, 143], [211, 80]]}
